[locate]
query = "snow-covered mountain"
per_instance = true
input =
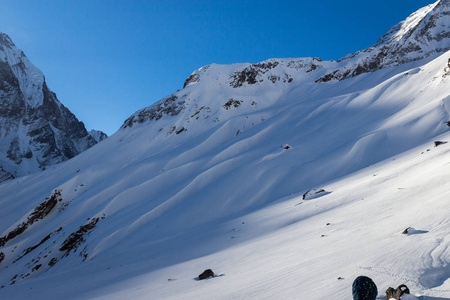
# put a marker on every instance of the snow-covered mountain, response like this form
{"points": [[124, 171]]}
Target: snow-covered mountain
{"points": [[36, 130], [98, 135], [423, 35], [288, 186]]}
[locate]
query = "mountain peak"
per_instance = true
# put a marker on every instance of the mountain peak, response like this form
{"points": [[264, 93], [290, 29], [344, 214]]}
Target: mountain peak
{"points": [[36, 129], [5, 40], [425, 34], [425, 25]]}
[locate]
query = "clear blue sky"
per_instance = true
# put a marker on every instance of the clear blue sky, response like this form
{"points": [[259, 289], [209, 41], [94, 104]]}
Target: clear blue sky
{"points": [[106, 59]]}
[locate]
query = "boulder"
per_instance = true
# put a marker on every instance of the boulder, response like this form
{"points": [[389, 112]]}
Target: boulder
{"points": [[206, 274]]}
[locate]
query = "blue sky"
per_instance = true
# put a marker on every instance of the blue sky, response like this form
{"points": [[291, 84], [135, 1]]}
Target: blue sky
{"points": [[106, 59]]}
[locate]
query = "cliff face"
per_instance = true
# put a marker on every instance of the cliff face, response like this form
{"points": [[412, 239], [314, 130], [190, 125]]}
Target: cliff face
{"points": [[36, 130]]}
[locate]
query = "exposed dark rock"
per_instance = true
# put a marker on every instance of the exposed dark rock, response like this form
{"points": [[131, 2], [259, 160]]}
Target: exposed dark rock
{"points": [[448, 123], [194, 77], [438, 143], [5, 175], [206, 274], [172, 130], [406, 230], [312, 193], [13, 152], [12, 234], [232, 103], [447, 69], [40, 212], [76, 238], [313, 68], [28, 250], [53, 262], [274, 78], [2, 257], [168, 106], [181, 130], [198, 111], [249, 74], [37, 267]]}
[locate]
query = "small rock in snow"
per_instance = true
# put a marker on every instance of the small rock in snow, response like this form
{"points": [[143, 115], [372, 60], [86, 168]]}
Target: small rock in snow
{"points": [[313, 193], [437, 143], [206, 274]]}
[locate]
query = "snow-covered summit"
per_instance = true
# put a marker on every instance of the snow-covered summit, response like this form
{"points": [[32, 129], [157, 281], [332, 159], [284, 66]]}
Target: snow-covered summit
{"points": [[422, 36], [36, 130], [29, 78], [98, 135], [406, 28]]}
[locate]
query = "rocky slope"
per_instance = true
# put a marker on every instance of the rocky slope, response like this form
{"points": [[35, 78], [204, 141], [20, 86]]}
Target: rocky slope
{"points": [[36, 130]]}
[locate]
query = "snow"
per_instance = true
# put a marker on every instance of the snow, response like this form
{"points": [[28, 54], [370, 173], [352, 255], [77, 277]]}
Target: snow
{"points": [[30, 78], [225, 193], [398, 32], [177, 204]]}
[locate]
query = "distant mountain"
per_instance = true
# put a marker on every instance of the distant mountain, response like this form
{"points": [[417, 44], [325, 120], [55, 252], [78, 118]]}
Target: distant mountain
{"points": [[36, 130], [286, 181], [98, 135]]}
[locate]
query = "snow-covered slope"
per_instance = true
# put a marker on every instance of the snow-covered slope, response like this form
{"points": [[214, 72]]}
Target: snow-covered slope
{"points": [[213, 176], [36, 130], [423, 35]]}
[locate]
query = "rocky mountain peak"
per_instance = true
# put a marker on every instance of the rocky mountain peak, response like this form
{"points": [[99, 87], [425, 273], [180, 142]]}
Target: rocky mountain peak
{"points": [[36, 130], [98, 135], [5, 41]]}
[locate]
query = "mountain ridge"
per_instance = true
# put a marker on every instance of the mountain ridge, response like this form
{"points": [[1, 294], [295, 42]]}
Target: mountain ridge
{"points": [[36, 129]]}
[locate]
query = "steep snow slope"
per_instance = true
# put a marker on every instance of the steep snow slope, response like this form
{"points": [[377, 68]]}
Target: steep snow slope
{"points": [[315, 248], [36, 130], [163, 199]]}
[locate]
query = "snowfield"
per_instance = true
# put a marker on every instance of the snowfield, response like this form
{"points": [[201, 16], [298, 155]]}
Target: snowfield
{"points": [[227, 174]]}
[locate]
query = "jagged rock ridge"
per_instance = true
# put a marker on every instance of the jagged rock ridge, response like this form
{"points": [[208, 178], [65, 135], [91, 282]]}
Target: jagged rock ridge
{"points": [[36, 130]]}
